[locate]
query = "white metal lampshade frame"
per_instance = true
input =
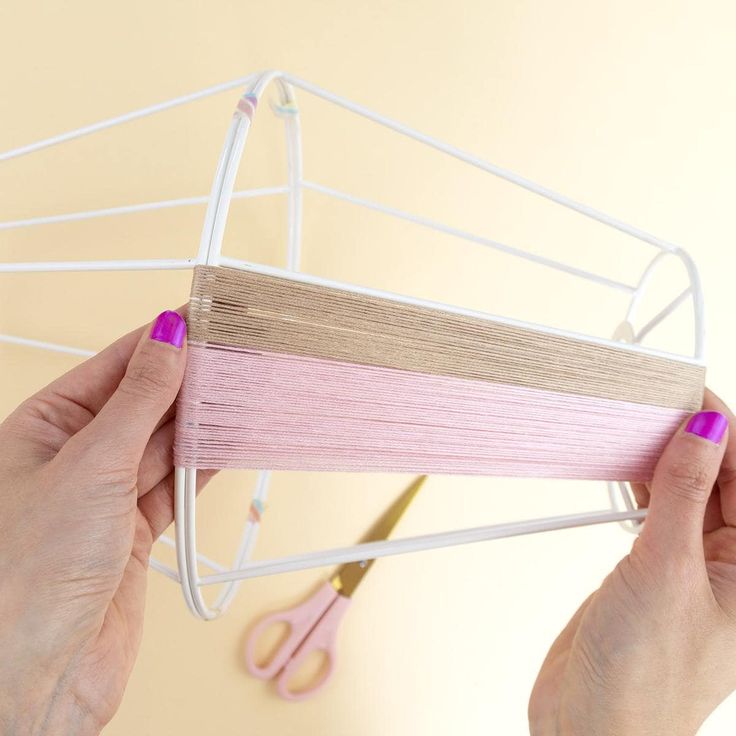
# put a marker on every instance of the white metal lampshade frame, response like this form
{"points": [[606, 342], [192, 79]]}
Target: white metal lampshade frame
{"points": [[623, 508]]}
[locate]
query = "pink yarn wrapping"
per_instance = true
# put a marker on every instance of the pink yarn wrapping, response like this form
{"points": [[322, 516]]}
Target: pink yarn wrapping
{"points": [[255, 409]]}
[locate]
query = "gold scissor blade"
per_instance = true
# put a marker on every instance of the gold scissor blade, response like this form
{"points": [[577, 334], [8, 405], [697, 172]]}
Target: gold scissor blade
{"points": [[348, 577]]}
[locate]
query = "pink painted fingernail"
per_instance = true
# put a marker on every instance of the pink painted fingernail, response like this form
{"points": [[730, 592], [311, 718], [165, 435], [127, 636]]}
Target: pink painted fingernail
{"points": [[169, 327], [711, 425]]}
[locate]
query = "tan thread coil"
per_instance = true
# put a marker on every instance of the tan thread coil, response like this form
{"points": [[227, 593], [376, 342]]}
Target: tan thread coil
{"points": [[241, 308]]}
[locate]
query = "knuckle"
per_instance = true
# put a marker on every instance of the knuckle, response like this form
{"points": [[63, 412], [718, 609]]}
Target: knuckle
{"points": [[98, 464], [145, 379], [635, 579], [165, 455], [727, 473], [117, 476], [689, 479]]}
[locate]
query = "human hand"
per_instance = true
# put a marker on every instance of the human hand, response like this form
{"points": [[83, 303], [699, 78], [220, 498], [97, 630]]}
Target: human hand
{"points": [[653, 650], [86, 486]]}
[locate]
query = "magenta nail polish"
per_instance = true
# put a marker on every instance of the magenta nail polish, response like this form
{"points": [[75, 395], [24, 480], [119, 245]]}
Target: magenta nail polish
{"points": [[169, 327], [711, 425]]}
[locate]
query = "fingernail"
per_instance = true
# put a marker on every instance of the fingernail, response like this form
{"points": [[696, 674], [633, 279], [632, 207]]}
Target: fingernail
{"points": [[169, 327], [711, 425]]}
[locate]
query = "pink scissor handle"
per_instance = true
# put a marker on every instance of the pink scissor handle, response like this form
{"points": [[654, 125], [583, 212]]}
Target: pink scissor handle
{"points": [[322, 638], [300, 619]]}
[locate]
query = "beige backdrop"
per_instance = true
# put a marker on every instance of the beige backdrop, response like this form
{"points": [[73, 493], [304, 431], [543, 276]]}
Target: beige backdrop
{"points": [[628, 106]]}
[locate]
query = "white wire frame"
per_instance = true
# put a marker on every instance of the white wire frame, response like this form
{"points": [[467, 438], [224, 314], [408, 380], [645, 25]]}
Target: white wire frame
{"points": [[623, 507]]}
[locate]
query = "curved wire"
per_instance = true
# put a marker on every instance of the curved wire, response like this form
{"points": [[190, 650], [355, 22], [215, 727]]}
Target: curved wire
{"points": [[209, 253]]}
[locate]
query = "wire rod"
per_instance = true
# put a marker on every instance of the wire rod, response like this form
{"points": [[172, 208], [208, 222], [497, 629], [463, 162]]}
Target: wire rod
{"points": [[664, 313], [479, 163], [373, 550], [125, 118], [464, 235], [140, 207], [144, 264]]}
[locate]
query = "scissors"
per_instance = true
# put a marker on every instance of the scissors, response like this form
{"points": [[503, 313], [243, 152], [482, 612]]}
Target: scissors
{"points": [[313, 624]]}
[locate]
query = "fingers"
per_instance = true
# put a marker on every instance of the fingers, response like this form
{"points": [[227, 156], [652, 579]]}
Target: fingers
{"points": [[122, 428], [92, 382], [713, 517], [714, 514], [727, 474], [641, 494], [682, 484], [157, 506], [158, 458]]}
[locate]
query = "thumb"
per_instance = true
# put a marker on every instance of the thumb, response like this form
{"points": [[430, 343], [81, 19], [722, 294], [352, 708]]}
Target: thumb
{"points": [[124, 425], [682, 484]]}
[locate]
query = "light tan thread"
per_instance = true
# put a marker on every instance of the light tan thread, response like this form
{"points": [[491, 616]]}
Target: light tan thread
{"points": [[244, 309]]}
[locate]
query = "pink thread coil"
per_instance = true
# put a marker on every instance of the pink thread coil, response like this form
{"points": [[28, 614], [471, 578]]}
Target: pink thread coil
{"points": [[246, 106], [241, 408]]}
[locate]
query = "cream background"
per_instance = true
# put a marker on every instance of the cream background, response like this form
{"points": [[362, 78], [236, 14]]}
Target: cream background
{"points": [[627, 106]]}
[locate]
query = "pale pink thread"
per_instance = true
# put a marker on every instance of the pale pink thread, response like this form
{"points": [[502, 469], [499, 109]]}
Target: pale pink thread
{"points": [[254, 409], [247, 106]]}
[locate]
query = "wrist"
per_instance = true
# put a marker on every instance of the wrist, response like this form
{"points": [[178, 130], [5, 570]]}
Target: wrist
{"points": [[614, 721], [36, 706], [36, 698]]}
